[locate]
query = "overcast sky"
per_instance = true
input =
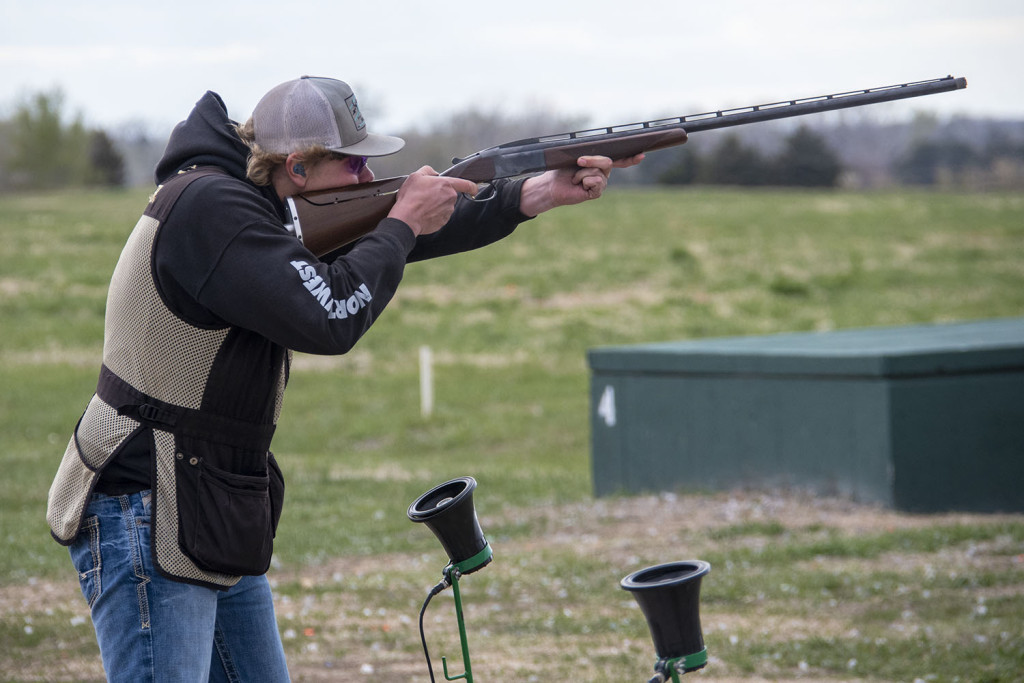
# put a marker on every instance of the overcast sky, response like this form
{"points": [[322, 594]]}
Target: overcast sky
{"points": [[415, 61]]}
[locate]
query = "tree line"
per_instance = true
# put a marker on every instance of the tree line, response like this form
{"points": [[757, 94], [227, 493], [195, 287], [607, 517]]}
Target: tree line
{"points": [[39, 150], [42, 148], [806, 160]]}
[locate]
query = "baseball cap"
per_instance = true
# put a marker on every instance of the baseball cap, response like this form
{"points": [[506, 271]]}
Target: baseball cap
{"points": [[316, 111]]}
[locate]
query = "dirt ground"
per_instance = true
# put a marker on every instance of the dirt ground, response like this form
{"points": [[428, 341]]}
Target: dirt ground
{"points": [[600, 528]]}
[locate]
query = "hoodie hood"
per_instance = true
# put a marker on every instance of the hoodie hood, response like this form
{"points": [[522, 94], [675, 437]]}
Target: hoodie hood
{"points": [[206, 138]]}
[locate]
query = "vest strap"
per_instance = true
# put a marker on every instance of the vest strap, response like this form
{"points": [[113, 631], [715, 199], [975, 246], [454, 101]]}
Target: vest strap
{"points": [[179, 420], [166, 195]]}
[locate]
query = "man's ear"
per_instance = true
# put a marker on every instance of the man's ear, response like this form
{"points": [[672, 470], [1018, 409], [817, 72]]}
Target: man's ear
{"points": [[296, 169]]}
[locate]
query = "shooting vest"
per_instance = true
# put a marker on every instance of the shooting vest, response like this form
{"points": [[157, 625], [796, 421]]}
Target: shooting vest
{"points": [[217, 491]]}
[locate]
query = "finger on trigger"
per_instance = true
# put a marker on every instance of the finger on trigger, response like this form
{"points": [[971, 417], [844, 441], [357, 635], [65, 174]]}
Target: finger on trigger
{"points": [[464, 186]]}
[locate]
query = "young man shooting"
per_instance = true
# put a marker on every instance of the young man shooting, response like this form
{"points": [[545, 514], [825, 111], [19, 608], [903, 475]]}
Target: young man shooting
{"points": [[168, 496]]}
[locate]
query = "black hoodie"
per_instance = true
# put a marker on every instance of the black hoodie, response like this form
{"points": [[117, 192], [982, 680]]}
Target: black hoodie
{"points": [[222, 259], [223, 256]]}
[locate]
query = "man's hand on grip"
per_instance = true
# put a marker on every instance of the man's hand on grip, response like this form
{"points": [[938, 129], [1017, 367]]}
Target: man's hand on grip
{"points": [[426, 200]]}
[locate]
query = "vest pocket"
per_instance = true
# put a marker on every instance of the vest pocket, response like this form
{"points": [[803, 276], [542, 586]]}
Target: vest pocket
{"points": [[226, 521]]}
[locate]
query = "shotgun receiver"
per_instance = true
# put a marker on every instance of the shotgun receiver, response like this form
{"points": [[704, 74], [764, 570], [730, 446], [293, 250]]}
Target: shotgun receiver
{"points": [[328, 219]]}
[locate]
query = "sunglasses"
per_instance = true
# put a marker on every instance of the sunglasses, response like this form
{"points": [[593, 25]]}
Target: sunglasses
{"points": [[355, 165]]}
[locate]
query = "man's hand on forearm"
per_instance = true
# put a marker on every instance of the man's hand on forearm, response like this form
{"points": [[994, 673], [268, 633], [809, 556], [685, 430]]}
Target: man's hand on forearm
{"points": [[570, 186]]}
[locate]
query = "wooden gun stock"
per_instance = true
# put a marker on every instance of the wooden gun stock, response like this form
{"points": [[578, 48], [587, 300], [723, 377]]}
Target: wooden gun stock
{"points": [[329, 219]]}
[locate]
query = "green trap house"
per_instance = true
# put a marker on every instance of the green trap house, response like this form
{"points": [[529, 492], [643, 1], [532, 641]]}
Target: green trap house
{"points": [[923, 418]]}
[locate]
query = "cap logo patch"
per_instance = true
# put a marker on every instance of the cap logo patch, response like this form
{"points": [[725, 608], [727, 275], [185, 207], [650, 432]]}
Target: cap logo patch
{"points": [[353, 108]]}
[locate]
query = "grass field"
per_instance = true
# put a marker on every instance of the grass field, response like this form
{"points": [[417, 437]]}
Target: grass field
{"points": [[801, 587]]}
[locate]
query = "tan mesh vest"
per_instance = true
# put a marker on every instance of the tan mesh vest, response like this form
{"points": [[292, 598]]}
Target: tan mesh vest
{"points": [[155, 372]]}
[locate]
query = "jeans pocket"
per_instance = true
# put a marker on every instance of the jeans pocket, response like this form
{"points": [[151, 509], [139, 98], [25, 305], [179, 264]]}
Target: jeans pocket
{"points": [[226, 524], [85, 556]]}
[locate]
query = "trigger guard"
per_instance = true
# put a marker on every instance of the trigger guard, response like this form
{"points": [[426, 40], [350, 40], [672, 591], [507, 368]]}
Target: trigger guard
{"points": [[489, 191]]}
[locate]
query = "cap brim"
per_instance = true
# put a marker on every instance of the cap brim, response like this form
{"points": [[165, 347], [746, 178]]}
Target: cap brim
{"points": [[372, 146]]}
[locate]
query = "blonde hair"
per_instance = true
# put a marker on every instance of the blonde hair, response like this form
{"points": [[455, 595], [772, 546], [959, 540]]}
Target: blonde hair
{"points": [[260, 165]]}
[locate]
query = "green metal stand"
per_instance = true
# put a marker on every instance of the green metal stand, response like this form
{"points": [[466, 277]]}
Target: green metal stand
{"points": [[453, 577], [676, 667], [451, 574]]}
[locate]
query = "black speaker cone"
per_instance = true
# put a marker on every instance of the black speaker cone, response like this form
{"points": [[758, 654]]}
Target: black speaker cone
{"points": [[669, 597], [448, 512]]}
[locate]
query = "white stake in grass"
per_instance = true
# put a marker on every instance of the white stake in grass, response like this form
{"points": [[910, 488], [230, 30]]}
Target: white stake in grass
{"points": [[426, 381]]}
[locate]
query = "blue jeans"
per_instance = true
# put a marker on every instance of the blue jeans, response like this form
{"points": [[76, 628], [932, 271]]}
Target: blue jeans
{"points": [[151, 628]]}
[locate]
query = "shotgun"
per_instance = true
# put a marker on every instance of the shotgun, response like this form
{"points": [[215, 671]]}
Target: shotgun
{"points": [[328, 219]]}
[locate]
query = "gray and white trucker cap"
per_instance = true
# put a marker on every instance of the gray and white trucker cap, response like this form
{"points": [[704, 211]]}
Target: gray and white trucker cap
{"points": [[316, 111]]}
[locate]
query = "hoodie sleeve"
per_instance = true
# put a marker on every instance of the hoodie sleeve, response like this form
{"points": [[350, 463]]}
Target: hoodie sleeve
{"points": [[222, 258]]}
